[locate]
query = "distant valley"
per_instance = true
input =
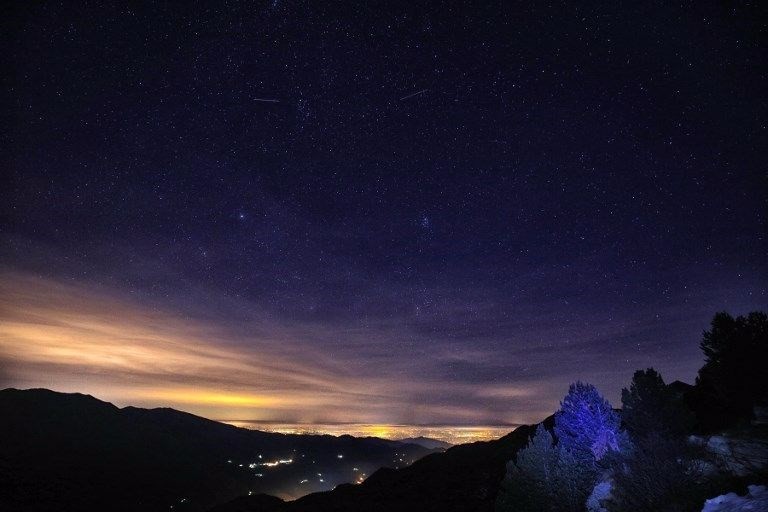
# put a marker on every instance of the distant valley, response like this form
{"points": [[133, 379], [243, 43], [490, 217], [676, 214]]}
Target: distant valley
{"points": [[449, 435], [76, 450]]}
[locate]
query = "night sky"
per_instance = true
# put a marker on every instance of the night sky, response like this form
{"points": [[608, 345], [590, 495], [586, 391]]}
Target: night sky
{"points": [[375, 212]]}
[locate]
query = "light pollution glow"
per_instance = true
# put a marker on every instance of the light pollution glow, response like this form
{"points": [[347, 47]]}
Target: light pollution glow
{"points": [[451, 433], [78, 338]]}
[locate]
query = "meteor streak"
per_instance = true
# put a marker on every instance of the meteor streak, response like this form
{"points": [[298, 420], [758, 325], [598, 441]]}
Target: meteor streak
{"points": [[413, 94]]}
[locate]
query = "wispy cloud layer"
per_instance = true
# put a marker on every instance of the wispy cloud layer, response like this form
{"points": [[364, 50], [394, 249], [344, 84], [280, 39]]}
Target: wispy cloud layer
{"points": [[447, 365], [74, 337]]}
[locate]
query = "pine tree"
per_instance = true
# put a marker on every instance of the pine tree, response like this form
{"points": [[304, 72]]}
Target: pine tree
{"points": [[659, 474], [733, 379], [586, 425], [530, 478], [648, 406], [548, 476]]}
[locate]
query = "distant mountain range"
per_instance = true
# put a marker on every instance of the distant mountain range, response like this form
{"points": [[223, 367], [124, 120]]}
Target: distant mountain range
{"points": [[464, 478], [427, 442], [68, 452]]}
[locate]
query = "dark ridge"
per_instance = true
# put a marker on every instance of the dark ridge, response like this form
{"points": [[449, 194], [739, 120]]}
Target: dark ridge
{"points": [[464, 478], [426, 442], [74, 452]]}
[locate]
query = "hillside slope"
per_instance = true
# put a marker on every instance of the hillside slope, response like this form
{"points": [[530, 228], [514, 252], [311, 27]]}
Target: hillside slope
{"points": [[74, 452], [464, 478]]}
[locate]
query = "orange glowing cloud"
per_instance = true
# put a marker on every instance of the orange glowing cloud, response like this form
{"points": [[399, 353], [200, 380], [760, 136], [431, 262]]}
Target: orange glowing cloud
{"points": [[76, 337]]}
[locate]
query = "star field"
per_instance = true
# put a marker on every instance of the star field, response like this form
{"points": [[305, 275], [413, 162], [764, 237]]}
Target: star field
{"points": [[462, 207]]}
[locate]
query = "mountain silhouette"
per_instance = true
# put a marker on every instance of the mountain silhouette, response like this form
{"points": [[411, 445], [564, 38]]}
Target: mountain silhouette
{"points": [[426, 442], [71, 452], [464, 478]]}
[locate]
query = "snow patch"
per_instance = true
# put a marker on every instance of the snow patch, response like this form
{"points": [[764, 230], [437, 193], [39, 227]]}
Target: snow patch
{"points": [[755, 500]]}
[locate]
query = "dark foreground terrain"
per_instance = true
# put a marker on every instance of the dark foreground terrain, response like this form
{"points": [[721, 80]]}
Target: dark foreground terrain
{"points": [[463, 478], [68, 452]]}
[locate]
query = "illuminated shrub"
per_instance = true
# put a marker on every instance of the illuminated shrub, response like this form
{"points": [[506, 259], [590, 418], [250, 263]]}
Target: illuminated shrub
{"points": [[549, 476], [586, 425]]}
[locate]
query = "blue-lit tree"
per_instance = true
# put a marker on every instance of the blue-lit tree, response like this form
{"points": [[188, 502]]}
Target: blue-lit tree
{"points": [[586, 425], [588, 433], [549, 476]]}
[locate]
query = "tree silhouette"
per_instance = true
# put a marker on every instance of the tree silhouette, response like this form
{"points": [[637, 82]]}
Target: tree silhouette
{"points": [[649, 406], [658, 474], [544, 478], [530, 479], [734, 378]]}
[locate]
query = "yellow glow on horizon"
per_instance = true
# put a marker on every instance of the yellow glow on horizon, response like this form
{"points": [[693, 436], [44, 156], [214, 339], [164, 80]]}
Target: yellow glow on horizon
{"points": [[455, 434], [208, 397], [71, 338], [383, 431], [81, 338]]}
